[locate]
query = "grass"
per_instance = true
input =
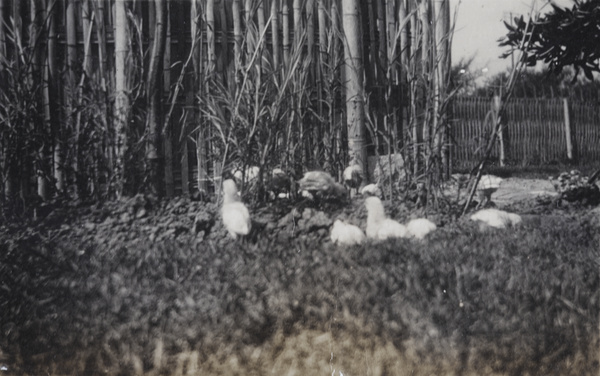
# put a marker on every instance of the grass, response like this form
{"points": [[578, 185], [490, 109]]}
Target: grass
{"points": [[519, 301]]}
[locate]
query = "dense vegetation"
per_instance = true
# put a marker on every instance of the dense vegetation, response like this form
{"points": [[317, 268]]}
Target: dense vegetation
{"points": [[149, 286]]}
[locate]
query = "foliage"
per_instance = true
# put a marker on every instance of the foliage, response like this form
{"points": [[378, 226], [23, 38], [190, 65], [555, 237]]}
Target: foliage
{"points": [[463, 77], [269, 116], [560, 38], [22, 135], [465, 300]]}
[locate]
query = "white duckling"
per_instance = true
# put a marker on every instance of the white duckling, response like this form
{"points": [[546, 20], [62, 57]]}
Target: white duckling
{"points": [[496, 218], [378, 225], [346, 234], [371, 190], [420, 227], [234, 213]]}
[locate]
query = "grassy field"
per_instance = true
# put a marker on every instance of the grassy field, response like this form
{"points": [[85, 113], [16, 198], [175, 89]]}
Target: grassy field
{"points": [[94, 295]]}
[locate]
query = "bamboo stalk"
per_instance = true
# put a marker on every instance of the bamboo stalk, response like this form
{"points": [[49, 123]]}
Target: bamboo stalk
{"points": [[322, 78], [237, 36], [297, 13], [568, 133], [275, 34], [3, 12], [415, 33], [310, 28], [260, 17], [121, 97], [392, 41], [371, 66], [168, 134], [354, 86], [224, 55], [196, 56], [382, 51], [286, 31], [426, 53], [249, 23], [210, 37], [71, 85], [86, 16], [154, 99]]}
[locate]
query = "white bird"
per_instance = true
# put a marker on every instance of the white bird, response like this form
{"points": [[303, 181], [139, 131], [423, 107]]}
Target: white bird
{"points": [[353, 176], [321, 184], [378, 225], [371, 190], [346, 234], [488, 184], [234, 213], [489, 181], [496, 218], [420, 227]]}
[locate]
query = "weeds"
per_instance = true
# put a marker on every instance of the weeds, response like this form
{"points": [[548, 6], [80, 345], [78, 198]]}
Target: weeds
{"points": [[494, 302]]}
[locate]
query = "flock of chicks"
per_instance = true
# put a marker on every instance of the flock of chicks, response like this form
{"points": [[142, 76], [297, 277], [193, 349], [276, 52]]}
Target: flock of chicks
{"points": [[321, 185]]}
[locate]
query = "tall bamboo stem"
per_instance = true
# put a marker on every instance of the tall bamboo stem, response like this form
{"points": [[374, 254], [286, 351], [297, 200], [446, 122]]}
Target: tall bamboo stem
{"points": [[354, 86]]}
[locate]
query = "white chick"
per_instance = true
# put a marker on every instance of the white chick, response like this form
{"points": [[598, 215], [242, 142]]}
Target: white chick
{"points": [[371, 190], [234, 213], [420, 227], [496, 218], [378, 225], [353, 177], [346, 234]]}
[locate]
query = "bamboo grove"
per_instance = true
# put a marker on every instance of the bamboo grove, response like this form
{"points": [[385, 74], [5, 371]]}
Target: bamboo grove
{"points": [[107, 98]]}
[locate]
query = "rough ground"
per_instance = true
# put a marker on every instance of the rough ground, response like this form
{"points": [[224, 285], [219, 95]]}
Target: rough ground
{"points": [[513, 190], [156, 287]]}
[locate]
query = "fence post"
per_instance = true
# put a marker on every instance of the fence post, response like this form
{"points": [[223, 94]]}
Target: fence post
{"points": [[568, 135], [500, 130]]}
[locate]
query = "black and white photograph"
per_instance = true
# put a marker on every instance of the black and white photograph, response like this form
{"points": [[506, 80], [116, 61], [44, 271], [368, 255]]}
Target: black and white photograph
{"points": [[300, 187]]}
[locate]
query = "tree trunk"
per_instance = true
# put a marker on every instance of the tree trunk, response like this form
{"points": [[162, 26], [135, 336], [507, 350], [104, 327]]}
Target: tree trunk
{"points": [[354, 83], [121, 35], [153, 151]]}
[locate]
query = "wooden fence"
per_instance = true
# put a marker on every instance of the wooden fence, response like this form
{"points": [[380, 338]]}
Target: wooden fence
{"points": [[536, 131]]}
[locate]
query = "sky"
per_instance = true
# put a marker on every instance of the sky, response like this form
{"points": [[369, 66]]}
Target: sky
{"points": [[479, 26]]}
